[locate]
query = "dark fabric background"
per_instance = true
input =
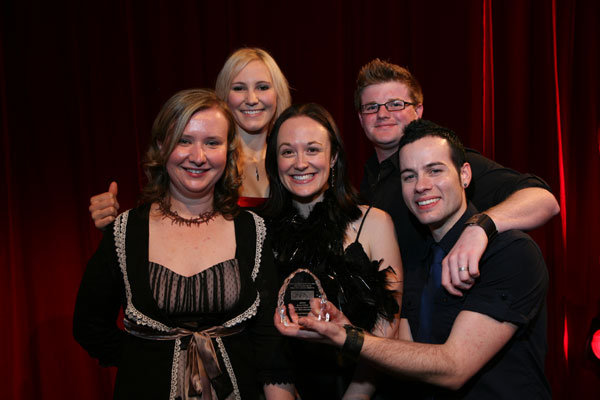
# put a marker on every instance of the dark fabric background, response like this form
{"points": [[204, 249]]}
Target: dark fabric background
{"points": [[80, 83]]}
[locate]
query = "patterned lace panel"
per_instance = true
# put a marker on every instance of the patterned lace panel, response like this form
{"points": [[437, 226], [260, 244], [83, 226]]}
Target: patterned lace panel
{"points": [[211, 292]]}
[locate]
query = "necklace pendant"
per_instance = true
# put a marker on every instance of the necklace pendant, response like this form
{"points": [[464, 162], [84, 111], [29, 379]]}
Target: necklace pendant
{"points": [[257, 176]]}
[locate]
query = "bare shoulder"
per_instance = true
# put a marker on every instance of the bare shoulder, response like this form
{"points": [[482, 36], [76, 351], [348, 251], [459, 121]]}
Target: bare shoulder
{"points": [[377, 219]]}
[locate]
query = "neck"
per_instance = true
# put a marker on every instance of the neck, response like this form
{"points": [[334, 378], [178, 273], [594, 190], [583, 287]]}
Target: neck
{"points": [[255, 142], [439, 230], [305, 207], [190, 208], [384, 154]]}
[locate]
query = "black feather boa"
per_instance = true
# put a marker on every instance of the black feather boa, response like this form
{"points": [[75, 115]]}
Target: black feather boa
{"points": [[351, 281]]}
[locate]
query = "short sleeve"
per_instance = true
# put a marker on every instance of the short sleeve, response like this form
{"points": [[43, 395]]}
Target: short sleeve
{"points": [[513, 283], [492, 183]]}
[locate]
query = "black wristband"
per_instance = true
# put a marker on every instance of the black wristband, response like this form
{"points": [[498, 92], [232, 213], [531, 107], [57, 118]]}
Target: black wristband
{"points": [[485, 222], [355, 338]]}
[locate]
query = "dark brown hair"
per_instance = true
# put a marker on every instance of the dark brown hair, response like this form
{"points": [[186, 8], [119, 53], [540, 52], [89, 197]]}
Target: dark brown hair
{"points": [[344, 193]]}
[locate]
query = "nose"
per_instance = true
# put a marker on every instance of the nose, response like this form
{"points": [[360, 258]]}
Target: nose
{"points": [[300, 162], [197, 155], [383, 113], [423, 184], [251, 98]]}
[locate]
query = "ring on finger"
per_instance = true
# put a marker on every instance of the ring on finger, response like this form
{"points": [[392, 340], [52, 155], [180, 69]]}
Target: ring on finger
{"points": [[463, 269]]}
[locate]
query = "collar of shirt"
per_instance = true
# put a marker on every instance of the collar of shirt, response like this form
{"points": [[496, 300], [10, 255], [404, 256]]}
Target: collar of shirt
{"points": [[451, 237], [377, 171]]}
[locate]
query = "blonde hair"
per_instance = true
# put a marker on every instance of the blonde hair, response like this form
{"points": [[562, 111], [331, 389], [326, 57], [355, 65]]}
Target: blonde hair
{"points": [[238, 61]]}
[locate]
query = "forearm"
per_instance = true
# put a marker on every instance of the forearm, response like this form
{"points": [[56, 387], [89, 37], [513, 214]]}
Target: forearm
{"points": [[525, 209], [282, 391], [428, 363]]}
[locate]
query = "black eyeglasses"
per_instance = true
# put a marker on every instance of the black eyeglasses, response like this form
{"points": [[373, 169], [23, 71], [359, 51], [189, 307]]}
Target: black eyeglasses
{"points": [[392, 105]]}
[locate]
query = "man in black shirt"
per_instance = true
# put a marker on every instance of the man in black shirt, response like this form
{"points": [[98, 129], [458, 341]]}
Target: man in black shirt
{"points": [[387, 99], [489, 343]]}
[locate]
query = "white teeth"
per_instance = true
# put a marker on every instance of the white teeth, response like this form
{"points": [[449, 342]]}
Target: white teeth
{"points": [[302, 177], [194, 171], [251, 112], [426, 202]]}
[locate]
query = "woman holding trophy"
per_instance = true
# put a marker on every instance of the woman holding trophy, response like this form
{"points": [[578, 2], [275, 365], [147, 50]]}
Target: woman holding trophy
{"points": [[316, 224]]}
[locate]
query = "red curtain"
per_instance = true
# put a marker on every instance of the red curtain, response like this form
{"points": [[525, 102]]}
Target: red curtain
{"points": [[81, 82]]}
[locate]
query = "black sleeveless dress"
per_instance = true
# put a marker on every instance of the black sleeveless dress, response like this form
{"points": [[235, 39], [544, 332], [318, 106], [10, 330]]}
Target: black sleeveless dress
{"points": [[351, 281]]}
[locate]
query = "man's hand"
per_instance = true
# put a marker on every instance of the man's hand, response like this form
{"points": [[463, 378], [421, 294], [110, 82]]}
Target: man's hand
{"points": [[310, 327], [104, 207], [461, 266]]}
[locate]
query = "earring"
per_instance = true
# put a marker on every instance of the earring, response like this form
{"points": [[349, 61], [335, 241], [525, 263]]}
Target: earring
{"points": [[465, 184], [332, 175]]}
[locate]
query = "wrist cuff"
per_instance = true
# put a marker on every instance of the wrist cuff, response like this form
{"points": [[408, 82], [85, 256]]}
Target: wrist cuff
{"points": [[485, 222], [355, 338]]}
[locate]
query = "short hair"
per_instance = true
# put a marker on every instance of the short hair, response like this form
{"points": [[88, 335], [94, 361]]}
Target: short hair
{"points": [[345, 195], [238, 60], [421, 128], [168, 128], [377, 71]]}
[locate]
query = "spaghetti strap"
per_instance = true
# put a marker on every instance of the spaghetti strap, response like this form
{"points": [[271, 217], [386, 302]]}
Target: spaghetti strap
{"points": [[362, 223]]}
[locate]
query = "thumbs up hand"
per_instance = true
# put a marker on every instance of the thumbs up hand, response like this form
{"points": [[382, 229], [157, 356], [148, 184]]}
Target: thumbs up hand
{"points": [[104, 207]]}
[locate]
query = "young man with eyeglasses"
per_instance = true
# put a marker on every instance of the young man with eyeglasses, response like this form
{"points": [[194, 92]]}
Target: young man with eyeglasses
{"points": [[387, 98]]}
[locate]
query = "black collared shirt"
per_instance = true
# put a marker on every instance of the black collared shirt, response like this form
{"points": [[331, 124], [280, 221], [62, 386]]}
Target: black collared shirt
{"points": [[381, 187], [512, 288]]}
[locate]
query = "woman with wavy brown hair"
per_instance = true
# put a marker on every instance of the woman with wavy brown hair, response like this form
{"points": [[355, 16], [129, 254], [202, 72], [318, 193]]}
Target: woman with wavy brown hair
{"points": [[192, 272]]}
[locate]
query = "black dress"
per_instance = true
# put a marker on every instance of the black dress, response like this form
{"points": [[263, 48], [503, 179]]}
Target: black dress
{"points": [[351, 281], [119, 275]]}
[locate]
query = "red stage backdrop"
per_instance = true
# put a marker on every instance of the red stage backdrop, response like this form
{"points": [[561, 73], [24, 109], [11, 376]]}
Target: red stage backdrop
{"points": [[81, 82]]}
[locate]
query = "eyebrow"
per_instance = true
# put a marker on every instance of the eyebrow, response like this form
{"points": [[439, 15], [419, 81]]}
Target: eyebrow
{"points": [[256, 83], [308, 144], [432, 164]]}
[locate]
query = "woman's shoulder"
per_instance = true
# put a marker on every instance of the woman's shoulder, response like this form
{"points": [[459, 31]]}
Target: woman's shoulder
{"points": [[373, 215]]}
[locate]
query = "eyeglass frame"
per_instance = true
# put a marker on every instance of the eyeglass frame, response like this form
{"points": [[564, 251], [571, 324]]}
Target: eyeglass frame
{"points": [[405, 103]]}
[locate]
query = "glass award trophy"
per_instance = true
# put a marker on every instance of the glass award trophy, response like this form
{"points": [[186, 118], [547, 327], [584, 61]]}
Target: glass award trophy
{"points": [[298, 289]]}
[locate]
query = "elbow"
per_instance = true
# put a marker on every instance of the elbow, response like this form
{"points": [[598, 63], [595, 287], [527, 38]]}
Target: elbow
{"points": [[552, 206], [555, 210]]}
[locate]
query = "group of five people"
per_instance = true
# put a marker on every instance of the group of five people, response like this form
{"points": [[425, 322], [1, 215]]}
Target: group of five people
{"points": [[243, 189]]}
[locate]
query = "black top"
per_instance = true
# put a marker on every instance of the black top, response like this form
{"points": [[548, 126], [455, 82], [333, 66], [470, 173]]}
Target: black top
{"points": [[512, 288], [381, 187], [350, 280], [118, 276]]}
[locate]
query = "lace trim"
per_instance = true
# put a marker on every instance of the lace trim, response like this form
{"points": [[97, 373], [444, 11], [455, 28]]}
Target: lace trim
{"points": [[175, 369], [236, 390], [139, 318], [261, 233], [249, 313], [133, 313]]}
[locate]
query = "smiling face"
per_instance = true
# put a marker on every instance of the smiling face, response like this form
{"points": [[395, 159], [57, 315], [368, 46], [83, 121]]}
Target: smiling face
{"points": [[198, 160], [432, 188], [384, 128], [252, 98], [304, 158]]}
